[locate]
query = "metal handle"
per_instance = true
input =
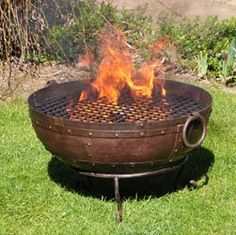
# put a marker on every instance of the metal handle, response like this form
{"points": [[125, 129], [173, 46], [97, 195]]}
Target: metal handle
{"points": [[192, 117]]}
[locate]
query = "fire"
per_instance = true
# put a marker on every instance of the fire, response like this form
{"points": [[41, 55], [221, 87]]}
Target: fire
{"points": [[117, 71]]}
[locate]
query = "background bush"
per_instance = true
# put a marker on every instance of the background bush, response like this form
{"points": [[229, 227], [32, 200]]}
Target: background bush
{"points": [[44, 30], [38, 31], [87, 19], [197, 38]]}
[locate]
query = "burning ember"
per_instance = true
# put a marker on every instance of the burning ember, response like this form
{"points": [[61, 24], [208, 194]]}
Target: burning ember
{"points": [[116, 70]]}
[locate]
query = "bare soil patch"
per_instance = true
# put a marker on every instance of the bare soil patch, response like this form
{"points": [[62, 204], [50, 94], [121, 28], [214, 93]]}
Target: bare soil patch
{"points": [[29, 79], [189, 8], [22, 81]]}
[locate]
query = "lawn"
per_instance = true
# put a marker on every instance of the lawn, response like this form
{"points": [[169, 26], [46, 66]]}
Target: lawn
{"points": [[39, 195]]}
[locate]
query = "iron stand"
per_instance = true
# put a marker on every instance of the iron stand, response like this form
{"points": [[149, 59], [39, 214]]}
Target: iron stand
{"points": [[117, 177]]}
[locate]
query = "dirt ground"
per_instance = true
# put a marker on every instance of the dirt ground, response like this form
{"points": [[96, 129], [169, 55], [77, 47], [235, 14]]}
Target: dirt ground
{"points": [[25, 80], [222, 8], [28, 81]]}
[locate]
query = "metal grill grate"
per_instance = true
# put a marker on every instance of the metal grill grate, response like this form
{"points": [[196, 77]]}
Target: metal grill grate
{"points": [[128, 110]]}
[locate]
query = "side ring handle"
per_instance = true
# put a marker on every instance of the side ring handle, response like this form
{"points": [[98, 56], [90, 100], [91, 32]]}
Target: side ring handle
{"points": [[192, 117]]}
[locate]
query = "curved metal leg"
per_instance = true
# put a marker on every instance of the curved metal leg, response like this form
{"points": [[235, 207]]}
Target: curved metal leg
{"points": [[118, 200], [179, 173], [116, 178], [192, 184]]}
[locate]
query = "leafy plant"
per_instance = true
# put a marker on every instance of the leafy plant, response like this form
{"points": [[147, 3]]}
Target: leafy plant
{"points": [[228, 63], [194, 36], [67, 41], [202, 64]]}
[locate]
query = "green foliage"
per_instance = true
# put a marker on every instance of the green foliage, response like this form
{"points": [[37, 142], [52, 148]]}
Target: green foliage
{"points": [[139, 30], [202, 65], [62, 30], [67, 41], [194, 36], [228, 63]]}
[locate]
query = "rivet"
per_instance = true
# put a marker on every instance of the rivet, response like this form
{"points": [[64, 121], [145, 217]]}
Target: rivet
{"points": [[50, 127], [163, 133], [90, 134], [171, 160], [152, 163], [141, 124], [141, 133], [176, 150], [113, 165], [132, 165], [89, 144], [69, 130], [116, 135], [93, 164]]}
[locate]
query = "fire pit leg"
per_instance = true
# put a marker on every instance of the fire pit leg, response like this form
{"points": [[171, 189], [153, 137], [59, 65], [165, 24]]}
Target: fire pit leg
{"points": [[181, 169], [118, 200], [117, 177]]}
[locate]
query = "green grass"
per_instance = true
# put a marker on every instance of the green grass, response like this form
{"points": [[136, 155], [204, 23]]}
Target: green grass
{"points": [[33, 202]]}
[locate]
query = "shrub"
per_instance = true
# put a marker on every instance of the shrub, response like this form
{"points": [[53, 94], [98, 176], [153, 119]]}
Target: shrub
{"points": [[195, 37], [14, 33], [61, 30], [67, 41]]}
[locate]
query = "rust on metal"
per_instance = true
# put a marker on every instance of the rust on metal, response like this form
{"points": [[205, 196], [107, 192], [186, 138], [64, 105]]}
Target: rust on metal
{"points": [[136, 135]]}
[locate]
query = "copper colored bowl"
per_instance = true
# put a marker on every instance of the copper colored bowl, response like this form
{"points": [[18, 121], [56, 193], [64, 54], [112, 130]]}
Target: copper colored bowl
{"points": [[149, 142]]}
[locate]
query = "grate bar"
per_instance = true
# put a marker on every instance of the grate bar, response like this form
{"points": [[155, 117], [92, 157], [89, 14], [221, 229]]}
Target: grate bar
{"points": [[128, 110]]}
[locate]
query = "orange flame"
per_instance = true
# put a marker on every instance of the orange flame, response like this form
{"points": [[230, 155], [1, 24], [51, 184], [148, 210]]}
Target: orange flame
{"points": [[116, 70], [86, 60]]}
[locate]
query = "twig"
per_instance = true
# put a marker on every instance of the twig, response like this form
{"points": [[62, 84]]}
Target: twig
{"points": [[50, 75]]}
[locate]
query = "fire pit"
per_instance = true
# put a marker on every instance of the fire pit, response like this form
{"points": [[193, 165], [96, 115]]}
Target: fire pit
{"points": [[125, 123], [134, 137]]}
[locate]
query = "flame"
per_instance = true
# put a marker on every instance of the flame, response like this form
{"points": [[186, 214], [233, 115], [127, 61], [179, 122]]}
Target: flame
{"points": [[163, 91], [159, 44], [86, 60], [117, 71]]}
